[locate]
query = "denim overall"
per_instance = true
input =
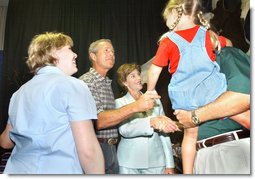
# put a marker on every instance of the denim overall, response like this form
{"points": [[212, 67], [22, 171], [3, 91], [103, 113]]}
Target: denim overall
{"points": [[197, 80]]}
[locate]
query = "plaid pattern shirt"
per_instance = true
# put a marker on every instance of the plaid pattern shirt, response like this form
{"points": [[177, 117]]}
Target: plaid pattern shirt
{"points": [[101, 90]]}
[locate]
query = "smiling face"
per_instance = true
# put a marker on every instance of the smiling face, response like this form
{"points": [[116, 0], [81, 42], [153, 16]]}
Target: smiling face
{"points": [[133, 81], [66, 60], [45, 49], [104, 58]]}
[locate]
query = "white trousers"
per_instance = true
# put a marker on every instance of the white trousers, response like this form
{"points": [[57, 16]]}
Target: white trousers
{"points": [[137, 171], [226, 158]]}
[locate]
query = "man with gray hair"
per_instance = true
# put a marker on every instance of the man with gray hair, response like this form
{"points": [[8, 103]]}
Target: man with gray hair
{"points": [[101, 54]]}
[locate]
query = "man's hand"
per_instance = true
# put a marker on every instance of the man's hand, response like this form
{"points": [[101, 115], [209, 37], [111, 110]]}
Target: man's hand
{"points": [[146, 101], [184, 117], [165, 124]]}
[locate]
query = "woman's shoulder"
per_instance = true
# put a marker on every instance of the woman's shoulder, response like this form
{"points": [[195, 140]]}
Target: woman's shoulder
{"points": [[66, 82], [120, 99], [126, 99]]}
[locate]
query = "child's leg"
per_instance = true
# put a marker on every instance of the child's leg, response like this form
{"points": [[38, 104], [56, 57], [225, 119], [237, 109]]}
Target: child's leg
{"points": [[243, 118], [189, 149]]}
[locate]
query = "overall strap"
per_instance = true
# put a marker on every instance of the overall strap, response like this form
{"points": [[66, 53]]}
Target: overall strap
{"points": [[178, 40]]}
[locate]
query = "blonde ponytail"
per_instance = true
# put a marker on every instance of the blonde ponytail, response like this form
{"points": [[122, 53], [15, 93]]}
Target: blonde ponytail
{"points": [[180, 11], [203, 21], [215, 41]]}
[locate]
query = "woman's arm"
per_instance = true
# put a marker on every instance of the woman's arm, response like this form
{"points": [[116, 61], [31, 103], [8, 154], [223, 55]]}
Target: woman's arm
{"points": [[88, 148], [5, 141], [143, 124]]}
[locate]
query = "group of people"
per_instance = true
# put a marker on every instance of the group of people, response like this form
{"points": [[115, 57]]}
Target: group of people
{"points": [[72, 126]]}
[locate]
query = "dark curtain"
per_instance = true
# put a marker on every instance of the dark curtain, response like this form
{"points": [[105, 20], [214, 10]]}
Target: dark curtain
{"points": [[134, 26], [2, 122], [228, 23]]}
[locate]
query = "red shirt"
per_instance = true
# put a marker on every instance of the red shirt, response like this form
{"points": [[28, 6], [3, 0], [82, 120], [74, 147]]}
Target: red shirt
{"points": [[168, 51]]}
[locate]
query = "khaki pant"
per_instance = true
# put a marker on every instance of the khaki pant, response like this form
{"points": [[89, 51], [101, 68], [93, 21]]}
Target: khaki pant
{"points": [[225, 158]]}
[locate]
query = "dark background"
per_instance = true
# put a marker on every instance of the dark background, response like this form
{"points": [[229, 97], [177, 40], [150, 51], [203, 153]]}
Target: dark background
{"points": [[134, 26]]}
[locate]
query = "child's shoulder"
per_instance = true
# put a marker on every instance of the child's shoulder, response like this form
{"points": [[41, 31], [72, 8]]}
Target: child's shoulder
{"points": [[164, 39]]}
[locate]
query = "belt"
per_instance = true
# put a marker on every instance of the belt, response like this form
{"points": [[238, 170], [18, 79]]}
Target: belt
{"points": [[235, 135], [110, 141]]}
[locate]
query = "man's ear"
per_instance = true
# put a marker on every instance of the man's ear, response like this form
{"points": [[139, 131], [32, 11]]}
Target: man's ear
{"points": [[92, 56]]}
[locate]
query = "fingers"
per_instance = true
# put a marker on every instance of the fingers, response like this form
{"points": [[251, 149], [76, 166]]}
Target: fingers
{"points": [[165, 124], [169, 171], [160, 125], [152, 94], [144, 103], [180, 126], [173, 124], [184, 118], [172, 127], [176, 112]]}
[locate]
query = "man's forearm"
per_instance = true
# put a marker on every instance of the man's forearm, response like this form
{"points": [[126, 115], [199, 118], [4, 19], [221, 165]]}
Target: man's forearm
{"points": [[228, 104], [243, 118], [113, 117]]}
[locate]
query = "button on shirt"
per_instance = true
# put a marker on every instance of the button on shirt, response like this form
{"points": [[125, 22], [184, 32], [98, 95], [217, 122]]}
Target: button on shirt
{"points": [[101, 90], [40, 114]]}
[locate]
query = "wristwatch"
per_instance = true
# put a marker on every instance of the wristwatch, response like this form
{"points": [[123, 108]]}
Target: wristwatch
{"points": [[194, 118]]}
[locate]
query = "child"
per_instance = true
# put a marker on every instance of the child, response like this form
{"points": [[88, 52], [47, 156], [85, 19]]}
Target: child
{"points": [[188, 50]]}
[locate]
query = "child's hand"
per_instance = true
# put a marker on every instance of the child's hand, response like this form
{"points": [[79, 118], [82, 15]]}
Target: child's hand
{"points": [[151, 92]]}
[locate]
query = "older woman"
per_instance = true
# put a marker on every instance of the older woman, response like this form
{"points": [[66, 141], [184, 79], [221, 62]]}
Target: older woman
{"points": [[142, 150]]}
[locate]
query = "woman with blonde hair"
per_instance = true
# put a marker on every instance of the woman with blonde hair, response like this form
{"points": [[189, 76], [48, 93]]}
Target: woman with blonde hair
{"points": [[50, 116]]}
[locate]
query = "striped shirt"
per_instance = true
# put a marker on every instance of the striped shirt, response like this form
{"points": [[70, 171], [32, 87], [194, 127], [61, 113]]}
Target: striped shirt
{"points": [[101, 90]]}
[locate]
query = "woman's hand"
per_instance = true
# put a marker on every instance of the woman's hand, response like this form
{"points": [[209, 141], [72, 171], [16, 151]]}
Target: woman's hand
{"points": [[165, 124], [169, 171]]}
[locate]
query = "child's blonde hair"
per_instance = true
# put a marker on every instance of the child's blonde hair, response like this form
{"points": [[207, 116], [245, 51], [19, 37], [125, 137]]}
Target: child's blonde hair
{"points": [[187, 7], [191, 8]]}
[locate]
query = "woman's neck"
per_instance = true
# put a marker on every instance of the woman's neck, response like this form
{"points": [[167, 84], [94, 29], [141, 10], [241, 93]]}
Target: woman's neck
{"points": [[135, 94]]}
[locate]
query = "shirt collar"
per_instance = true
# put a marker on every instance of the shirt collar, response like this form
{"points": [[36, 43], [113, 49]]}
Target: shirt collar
{"points": [[49, 69], [98, 76]]}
